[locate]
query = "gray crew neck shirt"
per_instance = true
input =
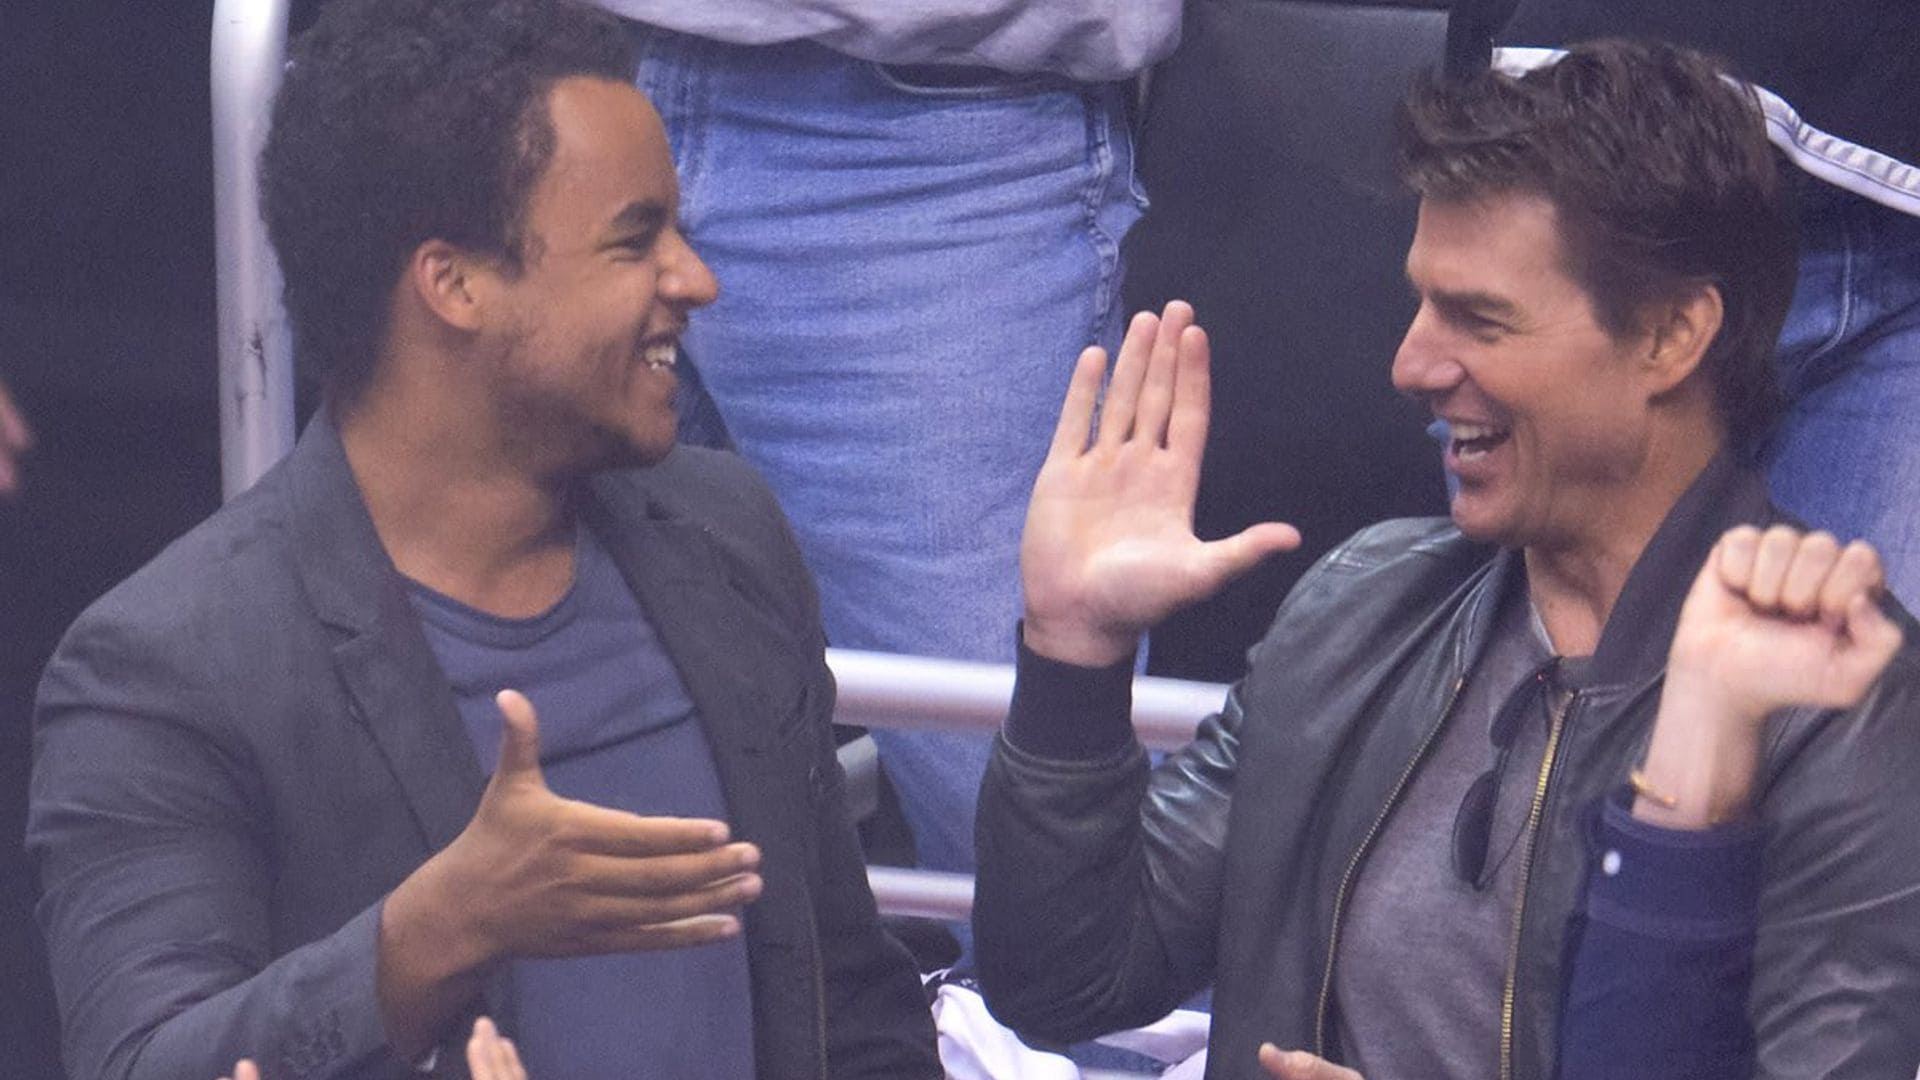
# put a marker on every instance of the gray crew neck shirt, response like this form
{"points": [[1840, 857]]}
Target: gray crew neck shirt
{"points": [[617, 729], [1421, 959]]}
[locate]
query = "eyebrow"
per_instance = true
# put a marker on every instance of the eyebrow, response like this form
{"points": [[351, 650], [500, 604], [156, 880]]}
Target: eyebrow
{"points": [[1483, 303], [645, 216]]}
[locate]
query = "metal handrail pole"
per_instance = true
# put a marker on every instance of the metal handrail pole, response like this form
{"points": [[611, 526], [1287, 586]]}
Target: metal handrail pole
{"points": [[927, 894], [882, 690], [255, 351]]}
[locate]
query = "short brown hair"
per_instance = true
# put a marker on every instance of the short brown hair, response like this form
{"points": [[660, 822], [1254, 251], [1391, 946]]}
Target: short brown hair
{"points": [[1661, 174]]}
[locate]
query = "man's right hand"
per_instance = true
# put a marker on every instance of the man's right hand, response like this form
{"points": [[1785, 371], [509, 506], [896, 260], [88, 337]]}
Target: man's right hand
{"points": [[1109, 548], [534, 874]]}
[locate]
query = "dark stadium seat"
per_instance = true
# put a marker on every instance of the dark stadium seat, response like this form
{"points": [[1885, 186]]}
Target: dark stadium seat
{"points": [[1266, 149]]}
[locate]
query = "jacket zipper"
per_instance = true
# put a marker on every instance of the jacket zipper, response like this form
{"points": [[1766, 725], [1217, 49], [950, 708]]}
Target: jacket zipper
{"points": [[1532, 835], [1353, 864]]}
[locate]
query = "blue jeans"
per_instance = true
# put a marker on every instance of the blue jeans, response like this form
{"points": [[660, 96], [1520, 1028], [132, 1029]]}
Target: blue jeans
{"points": [[907, 271], [1847, 456]]}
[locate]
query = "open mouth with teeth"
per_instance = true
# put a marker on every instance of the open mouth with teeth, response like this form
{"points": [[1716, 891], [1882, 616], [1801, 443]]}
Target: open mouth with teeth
{"points": [[660, 356], [1473, 441]]}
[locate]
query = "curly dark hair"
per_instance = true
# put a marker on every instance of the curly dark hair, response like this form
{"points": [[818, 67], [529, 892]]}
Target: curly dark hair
{"points": [[401, 121], [1663, 180]]}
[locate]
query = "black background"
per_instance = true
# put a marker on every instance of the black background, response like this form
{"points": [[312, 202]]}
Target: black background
{"points": [[106, 340]]}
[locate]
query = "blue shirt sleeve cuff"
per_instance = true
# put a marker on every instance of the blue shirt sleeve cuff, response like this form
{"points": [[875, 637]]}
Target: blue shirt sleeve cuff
{"points": [[1066, 712], [1674, 883]]}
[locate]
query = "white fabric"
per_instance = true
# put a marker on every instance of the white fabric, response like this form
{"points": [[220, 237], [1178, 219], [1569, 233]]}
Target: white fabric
{"points": [[1865, 172], [1174, 1037], [974, 1046], [1195, 1068]]}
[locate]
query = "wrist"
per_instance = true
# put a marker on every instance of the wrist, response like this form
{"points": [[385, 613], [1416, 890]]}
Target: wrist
{"points": [[1067, 642], [433, 959], [1706, 696], [1703, 760], [436, 915]]}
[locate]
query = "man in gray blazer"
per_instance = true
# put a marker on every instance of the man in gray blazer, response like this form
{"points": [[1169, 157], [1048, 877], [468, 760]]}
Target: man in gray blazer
{"points": [[261, 814]]}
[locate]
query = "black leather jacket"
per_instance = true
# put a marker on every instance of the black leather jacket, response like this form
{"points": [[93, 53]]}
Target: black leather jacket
{"points": [[1108, 894]]}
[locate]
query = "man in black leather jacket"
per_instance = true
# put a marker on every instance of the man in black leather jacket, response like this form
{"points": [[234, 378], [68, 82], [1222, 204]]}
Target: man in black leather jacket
{"points": [[1377, 850]]}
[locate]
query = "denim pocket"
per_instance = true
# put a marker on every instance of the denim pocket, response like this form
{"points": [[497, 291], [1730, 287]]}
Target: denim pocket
{"points": [[964, 83]]}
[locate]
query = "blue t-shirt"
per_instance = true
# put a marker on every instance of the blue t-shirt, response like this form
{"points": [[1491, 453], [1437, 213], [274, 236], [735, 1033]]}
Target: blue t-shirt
{"points": [[617, 729]]}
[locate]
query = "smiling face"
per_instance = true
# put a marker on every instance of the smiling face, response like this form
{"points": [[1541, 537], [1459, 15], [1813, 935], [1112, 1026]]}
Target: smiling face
{"points": [[581, 341], [1551, 416]]}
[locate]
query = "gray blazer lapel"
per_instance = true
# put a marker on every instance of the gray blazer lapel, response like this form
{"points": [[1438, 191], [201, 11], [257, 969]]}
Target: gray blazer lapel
{"points": [[741, 676], [706, 626], [396, 687]]}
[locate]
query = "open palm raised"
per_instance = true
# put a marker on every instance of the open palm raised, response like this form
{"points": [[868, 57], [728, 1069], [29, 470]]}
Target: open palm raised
{"points": [[1109, 548]]}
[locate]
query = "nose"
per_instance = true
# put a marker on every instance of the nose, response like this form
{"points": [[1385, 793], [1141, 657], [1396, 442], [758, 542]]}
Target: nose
{"points": [[686, 278], [1422, 365]]}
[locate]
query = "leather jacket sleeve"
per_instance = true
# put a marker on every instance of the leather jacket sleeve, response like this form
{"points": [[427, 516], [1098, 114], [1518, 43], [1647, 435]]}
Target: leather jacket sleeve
{"points": [[1090, 915], [1837, 958]]}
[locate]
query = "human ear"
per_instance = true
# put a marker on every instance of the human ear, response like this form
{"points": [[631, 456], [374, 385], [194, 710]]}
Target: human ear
{"points": [[449, 282], [1681, 333]]}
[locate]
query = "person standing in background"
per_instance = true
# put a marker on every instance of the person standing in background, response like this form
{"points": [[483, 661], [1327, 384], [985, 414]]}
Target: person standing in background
{"points": [[916, 211]]}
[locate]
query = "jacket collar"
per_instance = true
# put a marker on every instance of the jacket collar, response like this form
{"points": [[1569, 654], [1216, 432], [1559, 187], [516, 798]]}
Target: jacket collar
{"points": [[1639, 632]]}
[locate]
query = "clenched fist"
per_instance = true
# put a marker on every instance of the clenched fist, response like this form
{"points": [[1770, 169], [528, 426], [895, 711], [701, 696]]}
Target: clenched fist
{"points": [[1774, 619]]}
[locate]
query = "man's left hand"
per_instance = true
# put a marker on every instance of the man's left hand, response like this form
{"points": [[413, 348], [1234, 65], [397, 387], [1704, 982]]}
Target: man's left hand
{"points": [[1300, 1065]]}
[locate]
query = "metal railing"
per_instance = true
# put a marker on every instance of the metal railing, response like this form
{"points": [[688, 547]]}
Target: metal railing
{"points": [[887, 691], [256, 354], [882, 690]]}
